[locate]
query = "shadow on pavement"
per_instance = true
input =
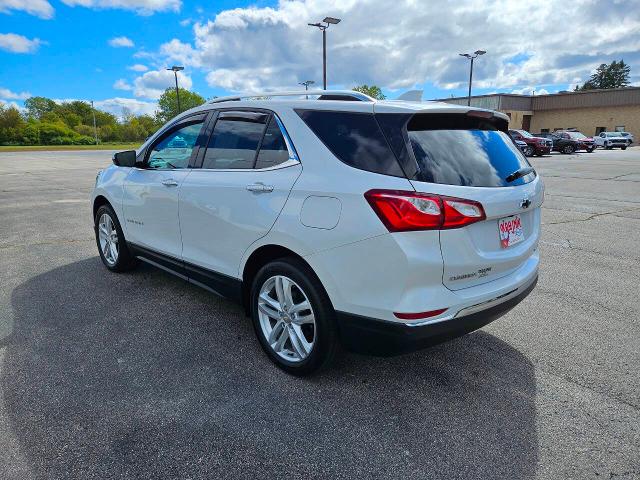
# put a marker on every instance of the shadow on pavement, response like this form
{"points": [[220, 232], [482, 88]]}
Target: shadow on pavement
{"points": [[142, 375]]}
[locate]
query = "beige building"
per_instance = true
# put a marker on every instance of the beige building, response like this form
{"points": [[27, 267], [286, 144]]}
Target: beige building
{"points": [[590, 112]]}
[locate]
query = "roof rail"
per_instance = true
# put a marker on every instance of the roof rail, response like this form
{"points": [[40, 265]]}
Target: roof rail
{"points": [[329, 94]]}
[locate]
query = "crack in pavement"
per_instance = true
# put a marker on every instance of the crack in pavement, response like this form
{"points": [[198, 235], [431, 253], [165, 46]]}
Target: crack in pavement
{"points": [[56, 242], [592, 216]]}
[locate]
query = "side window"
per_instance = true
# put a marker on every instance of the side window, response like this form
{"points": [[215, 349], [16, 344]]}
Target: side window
{"points": [[175, 148], [233, 143], [354, 138], [273, 150]]}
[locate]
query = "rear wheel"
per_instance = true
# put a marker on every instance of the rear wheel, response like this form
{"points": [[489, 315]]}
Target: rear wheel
{"points": [[568, 149], [624, 148], [112, 245], [528, 151], [293, 317], [589, 150]]}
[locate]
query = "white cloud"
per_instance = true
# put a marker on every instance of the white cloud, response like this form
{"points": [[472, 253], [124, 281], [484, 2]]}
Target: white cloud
{"points": [[6, 104], [401, 44], [39, 8], [529, 90], [9, 95], [122, 84], [118, 106], [138, 67], [153, 84], [185, 23], [15, 43], [121, 42], [141, 7]]}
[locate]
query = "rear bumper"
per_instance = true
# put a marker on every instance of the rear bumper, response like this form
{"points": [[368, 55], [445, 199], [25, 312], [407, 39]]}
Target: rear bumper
{"points": [[384, 338]]}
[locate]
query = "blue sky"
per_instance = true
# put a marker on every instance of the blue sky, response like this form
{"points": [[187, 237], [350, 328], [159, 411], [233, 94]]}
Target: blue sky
{"points": [[61, 48]]}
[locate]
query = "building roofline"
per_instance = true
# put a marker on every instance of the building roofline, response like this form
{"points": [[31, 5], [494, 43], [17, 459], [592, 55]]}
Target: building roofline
{"points": [[599, 90]]}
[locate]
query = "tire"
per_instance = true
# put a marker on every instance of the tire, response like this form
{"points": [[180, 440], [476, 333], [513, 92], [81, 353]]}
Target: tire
{"points": [[568, 149], [118, 258], [528, 151], [590, 150], [304, 346], [623, 148]]}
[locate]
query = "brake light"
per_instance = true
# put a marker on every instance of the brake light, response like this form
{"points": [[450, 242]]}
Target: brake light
{"points": [[420, 315], [402, 211]]}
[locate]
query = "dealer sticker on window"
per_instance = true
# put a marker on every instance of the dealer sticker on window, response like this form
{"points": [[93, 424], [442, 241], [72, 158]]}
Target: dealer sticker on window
{"points": [[510, 229]]}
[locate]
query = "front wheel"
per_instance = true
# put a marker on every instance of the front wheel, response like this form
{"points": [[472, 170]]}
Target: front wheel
{"points": [[112, 246], [590, 150], [624, 148], [568, 149], [293, 317]]}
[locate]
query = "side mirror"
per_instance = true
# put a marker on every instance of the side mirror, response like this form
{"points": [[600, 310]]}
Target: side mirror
{"points": [[125, 159]]}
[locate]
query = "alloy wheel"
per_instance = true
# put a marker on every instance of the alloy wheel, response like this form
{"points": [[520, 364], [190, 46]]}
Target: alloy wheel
{"points": [[108, 237], [286, 318]]}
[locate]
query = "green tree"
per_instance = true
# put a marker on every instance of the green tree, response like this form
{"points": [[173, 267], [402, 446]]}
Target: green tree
{"points": [[613, 75], [11, 124], [373, 91], [37, 107], [168, 103]]}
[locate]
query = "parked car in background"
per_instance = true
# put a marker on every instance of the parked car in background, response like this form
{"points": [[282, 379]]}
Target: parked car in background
{"points": [[628, 136], [559, 144], [524, 148], [540, 146], [384, 244], [611, 140], [584, 142]]}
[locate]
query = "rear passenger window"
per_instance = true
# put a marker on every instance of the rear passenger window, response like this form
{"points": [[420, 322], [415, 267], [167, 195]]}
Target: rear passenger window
{"points": [[355, 138], [273, 150], [233, 144]]}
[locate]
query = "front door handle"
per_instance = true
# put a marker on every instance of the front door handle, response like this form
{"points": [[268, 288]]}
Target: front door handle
{"points": [[169, 182], [260, 188]]}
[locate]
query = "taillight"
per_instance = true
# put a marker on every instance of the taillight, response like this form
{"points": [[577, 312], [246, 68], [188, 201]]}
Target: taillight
{"points": [[402, 211]]}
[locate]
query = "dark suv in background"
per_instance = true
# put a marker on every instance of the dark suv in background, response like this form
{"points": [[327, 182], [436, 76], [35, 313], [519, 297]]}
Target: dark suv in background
{"points": [[535, 145], [564, 143], [584, 142]]}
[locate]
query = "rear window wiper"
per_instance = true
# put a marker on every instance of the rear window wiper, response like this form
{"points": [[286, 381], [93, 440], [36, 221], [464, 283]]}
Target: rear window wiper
{"points": [[519, 173]]}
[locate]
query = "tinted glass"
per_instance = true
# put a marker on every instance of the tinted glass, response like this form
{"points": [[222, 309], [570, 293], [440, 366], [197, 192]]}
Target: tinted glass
{"points": [[273, 150], [354, 138], [174, 149], [233, 144], [473, 158]]}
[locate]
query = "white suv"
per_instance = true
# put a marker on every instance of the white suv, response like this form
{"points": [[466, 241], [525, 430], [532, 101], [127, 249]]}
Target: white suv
{"points": [[385, 226]]}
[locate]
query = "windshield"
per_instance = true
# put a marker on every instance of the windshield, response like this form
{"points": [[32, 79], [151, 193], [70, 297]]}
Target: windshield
{"points": [[470, 158], [524, 133], [576, 135]]}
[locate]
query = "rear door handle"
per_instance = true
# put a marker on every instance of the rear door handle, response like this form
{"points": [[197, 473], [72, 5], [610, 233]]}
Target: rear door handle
{"points": [[169, 182], [260, 188]]}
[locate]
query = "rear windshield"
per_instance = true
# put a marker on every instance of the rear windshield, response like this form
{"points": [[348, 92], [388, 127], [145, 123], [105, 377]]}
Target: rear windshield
{"points": [[474, 157]]}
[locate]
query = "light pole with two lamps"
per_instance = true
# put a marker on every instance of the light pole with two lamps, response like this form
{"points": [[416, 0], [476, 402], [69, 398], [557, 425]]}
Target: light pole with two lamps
{"points": [[323, 27], [471, 57]]}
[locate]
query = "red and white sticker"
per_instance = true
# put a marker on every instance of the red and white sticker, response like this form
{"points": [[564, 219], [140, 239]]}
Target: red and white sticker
{"points": [[510, 229]]}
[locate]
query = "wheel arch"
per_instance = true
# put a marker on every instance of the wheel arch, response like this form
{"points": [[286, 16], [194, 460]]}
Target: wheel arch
{"points": [[99, 201], [260, 257]]}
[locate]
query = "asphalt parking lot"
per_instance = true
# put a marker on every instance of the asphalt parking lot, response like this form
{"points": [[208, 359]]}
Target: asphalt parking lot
{"points": [[143, 375]]}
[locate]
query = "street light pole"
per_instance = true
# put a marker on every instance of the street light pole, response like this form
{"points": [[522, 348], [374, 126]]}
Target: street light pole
{"points": [[323, 27], [175, 69], [306, 84], [95, 130], [471, 57]]}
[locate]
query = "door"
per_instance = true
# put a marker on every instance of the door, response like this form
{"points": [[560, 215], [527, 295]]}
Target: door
{"points": [[236, 195], [150, 197]]}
